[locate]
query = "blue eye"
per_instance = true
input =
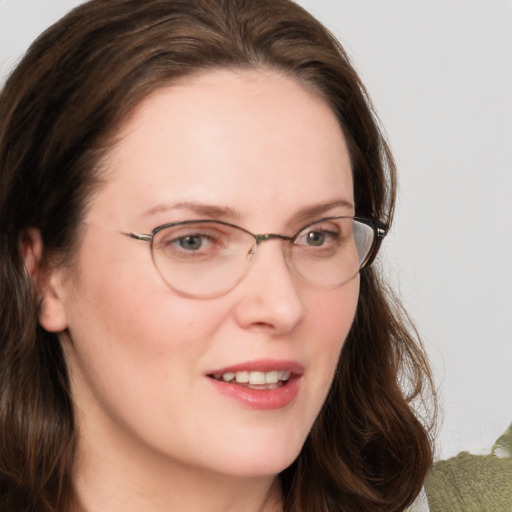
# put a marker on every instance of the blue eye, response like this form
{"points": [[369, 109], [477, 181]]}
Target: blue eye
{"points": [[190, 242], [199, 242]]}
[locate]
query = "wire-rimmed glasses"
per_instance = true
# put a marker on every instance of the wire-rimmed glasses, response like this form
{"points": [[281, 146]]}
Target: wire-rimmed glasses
{"points": [[206, 258]]}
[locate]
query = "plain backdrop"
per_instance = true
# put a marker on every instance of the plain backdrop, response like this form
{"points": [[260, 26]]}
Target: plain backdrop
{"points": [[440, 75]]}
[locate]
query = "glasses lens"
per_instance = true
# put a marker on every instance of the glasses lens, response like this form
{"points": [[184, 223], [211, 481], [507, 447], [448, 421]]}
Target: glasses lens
{"points": [[330, 252], [207, 258], [364, 238], [201, 259]]}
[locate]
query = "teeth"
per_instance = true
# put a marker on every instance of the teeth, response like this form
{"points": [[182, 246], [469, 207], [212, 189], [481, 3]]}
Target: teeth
{"points": [[283, 375], [271, 377], [242, 376], [257, 378]]}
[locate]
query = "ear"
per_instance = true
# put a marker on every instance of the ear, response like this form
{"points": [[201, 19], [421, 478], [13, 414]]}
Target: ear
{"points": [[46, 280]]}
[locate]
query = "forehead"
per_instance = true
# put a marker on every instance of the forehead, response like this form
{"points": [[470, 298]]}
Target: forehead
{"points": [[233, 138]]}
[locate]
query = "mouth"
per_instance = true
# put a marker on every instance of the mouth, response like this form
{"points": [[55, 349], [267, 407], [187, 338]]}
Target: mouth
{"points": [[255, 379], [262, 384]]}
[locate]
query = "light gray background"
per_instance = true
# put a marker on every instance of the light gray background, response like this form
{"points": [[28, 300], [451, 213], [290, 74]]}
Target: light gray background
{"points": [[440, 74]]}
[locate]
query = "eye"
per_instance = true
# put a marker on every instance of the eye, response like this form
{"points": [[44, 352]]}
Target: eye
{"points": [[195, 243], [326, 237], [179, 242], [318, 236], [315, 238], [191, 242]]}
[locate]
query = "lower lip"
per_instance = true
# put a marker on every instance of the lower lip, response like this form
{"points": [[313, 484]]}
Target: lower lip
{"points": [[262, 399]]}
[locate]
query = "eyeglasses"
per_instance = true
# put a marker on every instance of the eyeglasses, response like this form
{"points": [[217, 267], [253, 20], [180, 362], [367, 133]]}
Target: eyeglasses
{"points": [[206, 258]]}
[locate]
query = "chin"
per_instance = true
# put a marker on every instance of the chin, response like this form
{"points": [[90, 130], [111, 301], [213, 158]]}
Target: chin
{"points": [[259, 459]]}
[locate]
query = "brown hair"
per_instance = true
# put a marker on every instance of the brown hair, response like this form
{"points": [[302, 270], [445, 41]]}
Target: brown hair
{"points": [[59, 112]]}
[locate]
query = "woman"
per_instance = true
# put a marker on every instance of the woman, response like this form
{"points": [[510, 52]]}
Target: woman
{"points": [[189, 190]]}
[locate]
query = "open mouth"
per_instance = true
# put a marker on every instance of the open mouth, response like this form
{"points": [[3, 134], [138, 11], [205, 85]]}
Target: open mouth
{"points": [[255, 379], [259, 384]]}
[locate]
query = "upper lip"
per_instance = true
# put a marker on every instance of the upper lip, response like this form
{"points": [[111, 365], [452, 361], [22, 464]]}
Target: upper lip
{"points": [[261, 365]]}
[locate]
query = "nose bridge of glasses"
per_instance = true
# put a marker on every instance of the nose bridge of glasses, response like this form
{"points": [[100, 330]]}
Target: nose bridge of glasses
{"points": [[259, 239], [269, 236]]}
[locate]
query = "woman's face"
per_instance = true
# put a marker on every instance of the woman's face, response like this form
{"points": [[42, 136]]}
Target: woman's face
{"points": [[253, 148]]}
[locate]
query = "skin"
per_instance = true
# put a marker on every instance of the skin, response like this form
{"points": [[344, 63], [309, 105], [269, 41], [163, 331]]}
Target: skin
{"points": [[154, 433]]}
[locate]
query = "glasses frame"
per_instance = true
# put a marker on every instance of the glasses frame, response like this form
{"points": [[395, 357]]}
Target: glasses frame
{"points": [[379, 228]]}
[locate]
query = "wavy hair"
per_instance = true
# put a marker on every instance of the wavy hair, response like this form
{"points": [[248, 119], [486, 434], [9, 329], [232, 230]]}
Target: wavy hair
{"points": [[60, 111]]}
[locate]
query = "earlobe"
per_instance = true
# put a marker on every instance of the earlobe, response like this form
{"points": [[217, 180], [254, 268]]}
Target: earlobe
{"points": [[46, 280]]}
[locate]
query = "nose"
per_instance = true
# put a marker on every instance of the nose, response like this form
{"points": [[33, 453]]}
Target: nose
{"points": [[269, 297]]}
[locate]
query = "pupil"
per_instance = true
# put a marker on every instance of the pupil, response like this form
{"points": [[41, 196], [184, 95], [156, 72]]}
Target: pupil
{"points": [[315, 238], [190, 242]]}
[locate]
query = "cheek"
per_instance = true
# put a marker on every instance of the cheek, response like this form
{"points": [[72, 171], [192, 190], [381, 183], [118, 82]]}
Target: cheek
{"points": [[121, 302], [330, 320], [127, 337], [129, 347], [334, 313], [139, 331]]}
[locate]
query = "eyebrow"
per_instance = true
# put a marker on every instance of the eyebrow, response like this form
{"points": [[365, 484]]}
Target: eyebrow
{"points": [[205, 210], [225, 212], [318, 210]]}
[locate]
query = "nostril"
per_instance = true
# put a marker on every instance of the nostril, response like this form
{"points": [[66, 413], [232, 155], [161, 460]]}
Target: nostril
{"points": [[262, 326]]}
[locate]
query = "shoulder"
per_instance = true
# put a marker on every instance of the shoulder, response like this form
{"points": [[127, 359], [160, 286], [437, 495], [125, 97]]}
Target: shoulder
{"points": [[420, 504]]}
